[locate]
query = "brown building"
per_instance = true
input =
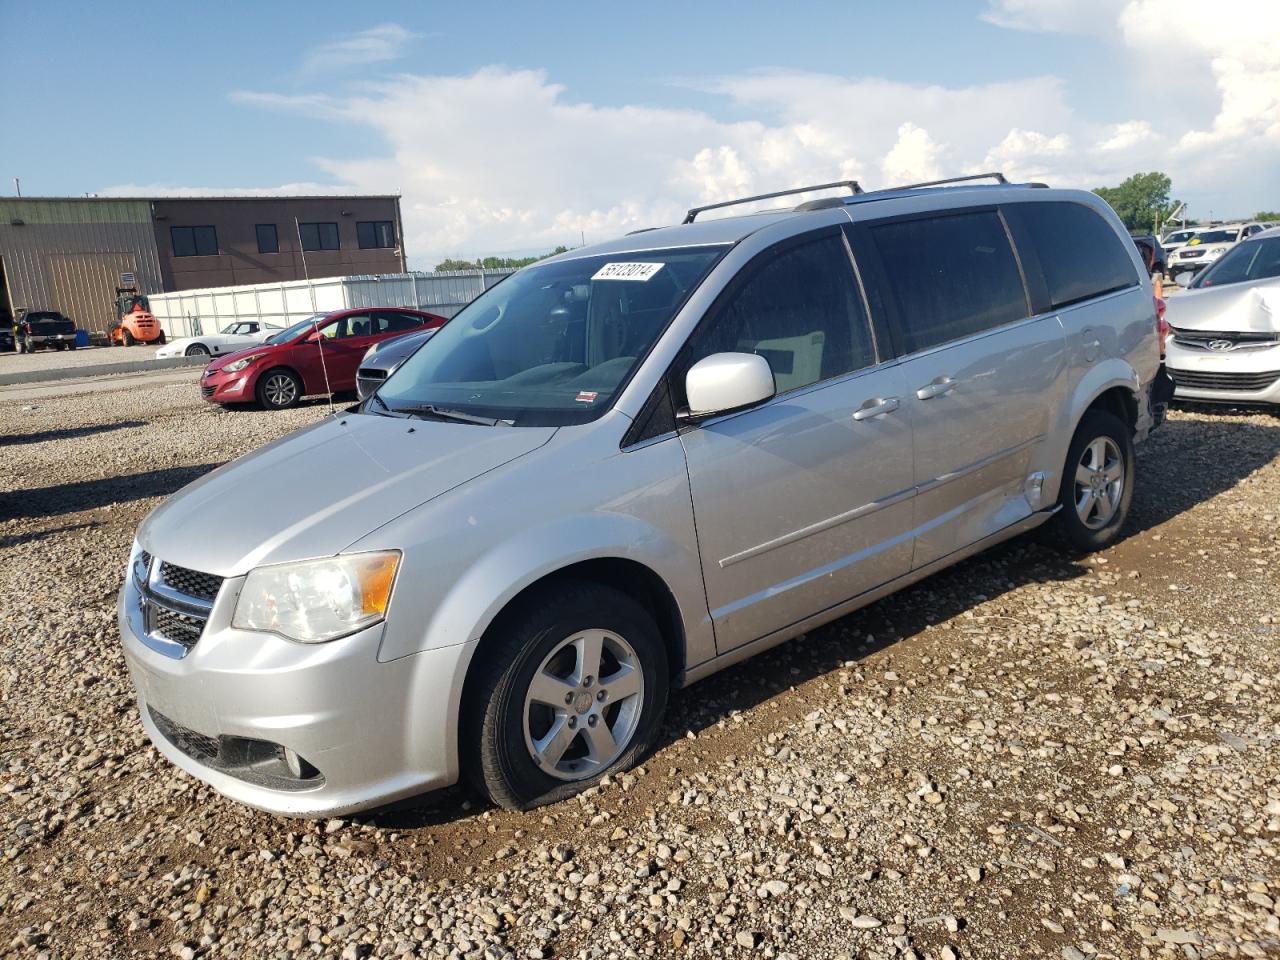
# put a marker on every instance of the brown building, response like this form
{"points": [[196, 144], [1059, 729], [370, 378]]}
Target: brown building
{"points": [[69, 253]]}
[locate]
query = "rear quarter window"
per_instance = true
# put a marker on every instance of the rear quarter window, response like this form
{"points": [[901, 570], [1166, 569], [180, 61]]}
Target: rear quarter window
{"points": [[1080, 255], [951, 276]]}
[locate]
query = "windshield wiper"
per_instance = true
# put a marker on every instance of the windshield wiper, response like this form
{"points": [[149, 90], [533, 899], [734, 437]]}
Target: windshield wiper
{"points": [[373, 397], [427, 410]]}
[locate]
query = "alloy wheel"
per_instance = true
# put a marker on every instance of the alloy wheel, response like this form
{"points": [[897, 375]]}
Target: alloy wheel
{"points": [[583, 705], [280, 390], [1099, 483]]}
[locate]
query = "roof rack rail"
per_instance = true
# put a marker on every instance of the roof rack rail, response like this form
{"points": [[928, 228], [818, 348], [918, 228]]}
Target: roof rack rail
{"points": [[997, 177], [853, 186]]}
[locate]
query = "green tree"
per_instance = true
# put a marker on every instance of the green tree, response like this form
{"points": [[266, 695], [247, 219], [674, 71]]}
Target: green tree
{"points": [[1266, 215], [1141, 200]]}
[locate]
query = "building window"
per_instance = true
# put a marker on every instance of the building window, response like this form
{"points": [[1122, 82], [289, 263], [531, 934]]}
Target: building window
{"points": [[376, 234], [319, 236], [194, 241], [268, 242]]}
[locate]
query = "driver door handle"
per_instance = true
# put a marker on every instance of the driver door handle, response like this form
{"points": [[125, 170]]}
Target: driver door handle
{"points": [[937, 387], [876, 407]]}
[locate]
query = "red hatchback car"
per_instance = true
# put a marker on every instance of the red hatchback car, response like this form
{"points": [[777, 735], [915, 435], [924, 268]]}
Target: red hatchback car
{"points": [[315, 356]]}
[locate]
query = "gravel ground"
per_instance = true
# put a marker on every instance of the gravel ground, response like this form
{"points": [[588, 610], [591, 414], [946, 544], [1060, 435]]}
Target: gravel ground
{"points": [[64, 359], [1023, 756]]}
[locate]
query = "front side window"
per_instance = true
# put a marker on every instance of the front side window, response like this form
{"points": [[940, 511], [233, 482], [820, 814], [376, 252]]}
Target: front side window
{"points": [[375, 234], [552, 344], [319, 236], [799, 309], [268, 240], [194, 241], [951, 276], [1255, 260], [1079, 252]]}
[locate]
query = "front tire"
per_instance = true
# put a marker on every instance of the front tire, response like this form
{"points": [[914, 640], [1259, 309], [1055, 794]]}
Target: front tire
{"points": [[572, 686], [278, 389], [1097, 484], [197, 350]]}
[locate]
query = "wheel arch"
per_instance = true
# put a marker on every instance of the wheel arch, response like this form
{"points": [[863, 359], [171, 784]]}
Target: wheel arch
{"points": [[635, 579]]}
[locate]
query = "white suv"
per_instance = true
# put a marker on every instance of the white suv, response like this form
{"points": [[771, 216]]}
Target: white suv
{"points": [[1208, 244]]}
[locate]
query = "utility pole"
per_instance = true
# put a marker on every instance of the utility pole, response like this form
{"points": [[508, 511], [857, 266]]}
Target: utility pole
{"points": [[17, 186]]}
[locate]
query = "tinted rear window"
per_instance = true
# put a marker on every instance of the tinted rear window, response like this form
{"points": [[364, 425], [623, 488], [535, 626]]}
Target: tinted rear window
{"points": [[1080, 254], [951, 275]]}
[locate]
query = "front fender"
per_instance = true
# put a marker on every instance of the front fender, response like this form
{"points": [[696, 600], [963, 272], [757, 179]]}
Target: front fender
{"points": [[497, 576]]}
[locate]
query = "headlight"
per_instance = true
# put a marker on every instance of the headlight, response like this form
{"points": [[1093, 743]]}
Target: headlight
{"points": [[317, 600], [1217, 250], [235, 366]]}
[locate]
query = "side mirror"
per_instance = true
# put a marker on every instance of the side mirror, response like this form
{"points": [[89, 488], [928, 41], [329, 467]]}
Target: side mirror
{"points": [[315, 336], [727, 381]]}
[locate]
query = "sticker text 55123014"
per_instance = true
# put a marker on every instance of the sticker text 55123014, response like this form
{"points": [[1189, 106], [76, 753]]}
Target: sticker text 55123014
{"points": [[627, 271]]}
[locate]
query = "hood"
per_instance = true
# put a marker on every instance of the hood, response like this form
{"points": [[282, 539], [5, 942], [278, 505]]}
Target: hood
{"points": [[256, 348], [319, 490], [1236, 307]]}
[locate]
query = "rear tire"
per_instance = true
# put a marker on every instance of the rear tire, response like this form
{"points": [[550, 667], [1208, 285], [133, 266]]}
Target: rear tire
{"points": [[571, 687], [278, 389], [128, 339], [160, 339], [1097, 484]]}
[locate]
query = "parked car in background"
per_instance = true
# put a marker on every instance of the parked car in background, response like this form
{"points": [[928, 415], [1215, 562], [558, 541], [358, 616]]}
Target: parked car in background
{"points": [[1225, 346], [1152, 253], [381, 360], [44, 328], [627, 467], [1208, 244], [230, 339], [1173, 240], [314, 357]]}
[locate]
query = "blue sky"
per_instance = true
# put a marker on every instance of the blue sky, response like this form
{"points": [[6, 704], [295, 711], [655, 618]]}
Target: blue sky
{"points": [[511, 127]]}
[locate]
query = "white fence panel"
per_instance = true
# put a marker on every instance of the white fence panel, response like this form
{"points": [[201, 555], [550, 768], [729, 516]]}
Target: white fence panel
{"points": [[193, 312]]}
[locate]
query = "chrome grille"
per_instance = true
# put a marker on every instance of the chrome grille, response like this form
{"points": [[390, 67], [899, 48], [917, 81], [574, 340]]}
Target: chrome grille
{"points": [[171, 625], [174, 603], [1222, 380], [206, 391], [1237, 339], [203, 586]]}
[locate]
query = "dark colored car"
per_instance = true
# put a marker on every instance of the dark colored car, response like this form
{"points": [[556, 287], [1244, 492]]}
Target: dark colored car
{"points": [[313, 357], [43, 328], [381, 360], [1152, 254]]}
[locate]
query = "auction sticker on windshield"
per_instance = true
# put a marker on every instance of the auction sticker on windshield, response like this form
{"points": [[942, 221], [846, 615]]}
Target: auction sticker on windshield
{"points": [[627, 271]]}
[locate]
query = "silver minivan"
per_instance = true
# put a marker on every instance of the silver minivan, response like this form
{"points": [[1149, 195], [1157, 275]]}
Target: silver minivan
{"points": [[627, 467]]}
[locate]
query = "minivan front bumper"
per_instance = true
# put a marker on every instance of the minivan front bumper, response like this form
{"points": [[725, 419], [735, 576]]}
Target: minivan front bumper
{"points": [[367, 733]]}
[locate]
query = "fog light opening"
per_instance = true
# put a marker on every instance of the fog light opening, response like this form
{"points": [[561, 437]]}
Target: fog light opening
{"points": [[297, 766]]}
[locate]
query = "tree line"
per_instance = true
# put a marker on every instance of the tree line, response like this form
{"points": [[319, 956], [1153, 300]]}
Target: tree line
{"points": [[1143, 203], [495, 263]]}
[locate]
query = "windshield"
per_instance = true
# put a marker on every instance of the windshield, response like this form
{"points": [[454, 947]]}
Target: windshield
{"points": [[1217, 236], [1256, 260], [288, 333], [554, 343], [1179, 236]]}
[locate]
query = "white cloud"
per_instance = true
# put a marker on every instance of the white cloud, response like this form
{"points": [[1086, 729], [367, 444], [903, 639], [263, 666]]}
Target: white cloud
{"points": [[375, 45], [913, 158], [501, 161]]}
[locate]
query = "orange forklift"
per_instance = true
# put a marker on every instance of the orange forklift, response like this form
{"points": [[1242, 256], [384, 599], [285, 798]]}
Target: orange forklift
{"points": [[136, 324]]}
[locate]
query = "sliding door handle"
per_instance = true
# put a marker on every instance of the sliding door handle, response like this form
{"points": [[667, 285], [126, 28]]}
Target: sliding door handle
{"points": [[937, 387], [876, 407]]}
